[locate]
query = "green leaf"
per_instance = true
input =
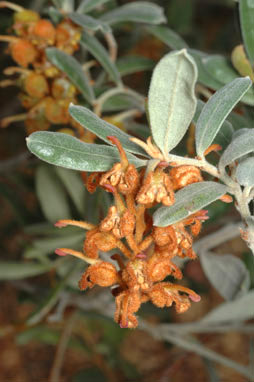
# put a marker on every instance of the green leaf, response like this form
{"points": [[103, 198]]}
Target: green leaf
{"points": [[224, 135], [118, 102], [222, 71], [240, 146], [203, 76], [245, 172], [74, 186], [66, 151], [52, 197], [168, 36], [55, 15], [189, 200], [47, 245], [132, 64], [88, 5], [17, 270], [103, 129], [88, 22], [140, 12], [231, 277], [233, 311], [220, 68], [65, 5], [216, 111], [171, 99], [92, 44], [73, 70], [246, 8]]}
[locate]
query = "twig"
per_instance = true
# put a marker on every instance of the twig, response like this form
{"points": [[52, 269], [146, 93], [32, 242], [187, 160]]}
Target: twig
{"points": [[192, 346], [61, 349], [112, 45]]}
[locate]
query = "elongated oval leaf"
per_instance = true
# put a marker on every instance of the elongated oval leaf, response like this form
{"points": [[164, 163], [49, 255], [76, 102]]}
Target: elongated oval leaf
{"points": [[92, 44], [231, 277], [66, 151], [140, 11], [132, 64], [103, 129], [51, 194], [71, 67], [16, 270], [222, 71], [216, 111], [245, 172], [189, 200], [120, 101], [220, 68], [240, 146], [203, 76], [168, 36], [224, 135], [88, 5], [246, 8], [233, 311], [171, 99], [89, 22], [48, 244], [74, 186]]}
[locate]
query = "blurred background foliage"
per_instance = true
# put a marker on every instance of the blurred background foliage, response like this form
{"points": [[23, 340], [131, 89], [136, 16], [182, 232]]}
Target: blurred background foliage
{"points": [[48, 330]]}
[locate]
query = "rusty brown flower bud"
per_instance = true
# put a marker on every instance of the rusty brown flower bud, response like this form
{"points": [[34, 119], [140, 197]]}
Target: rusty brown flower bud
{"points": [[181, 176], [157, 187], [159, 267], [102, 273]]}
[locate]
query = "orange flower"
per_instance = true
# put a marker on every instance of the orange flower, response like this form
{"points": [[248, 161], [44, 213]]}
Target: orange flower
{"points": [[157, 187], [181, 176]]}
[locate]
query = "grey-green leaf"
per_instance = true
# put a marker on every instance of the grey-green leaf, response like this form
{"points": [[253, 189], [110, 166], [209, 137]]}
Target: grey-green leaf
{"points": [[216, 111], [88, 5], [231, 277], [246, 8], [88, 22], [71, 67], [52, 197], [17, 270], [168, 36], [74, 186], [132, 64], [66, 151], [203, 76], [232, 311], [139, 11], [240, 146], [220, 68], [189, 200], [171, 99], [93, 45], [245, 172], [224, 135], [103, 129]]}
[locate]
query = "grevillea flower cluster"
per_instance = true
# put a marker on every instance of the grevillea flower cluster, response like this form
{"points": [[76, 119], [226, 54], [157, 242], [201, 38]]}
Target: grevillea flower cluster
{"points": [[45, 91], [144, 253]]}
